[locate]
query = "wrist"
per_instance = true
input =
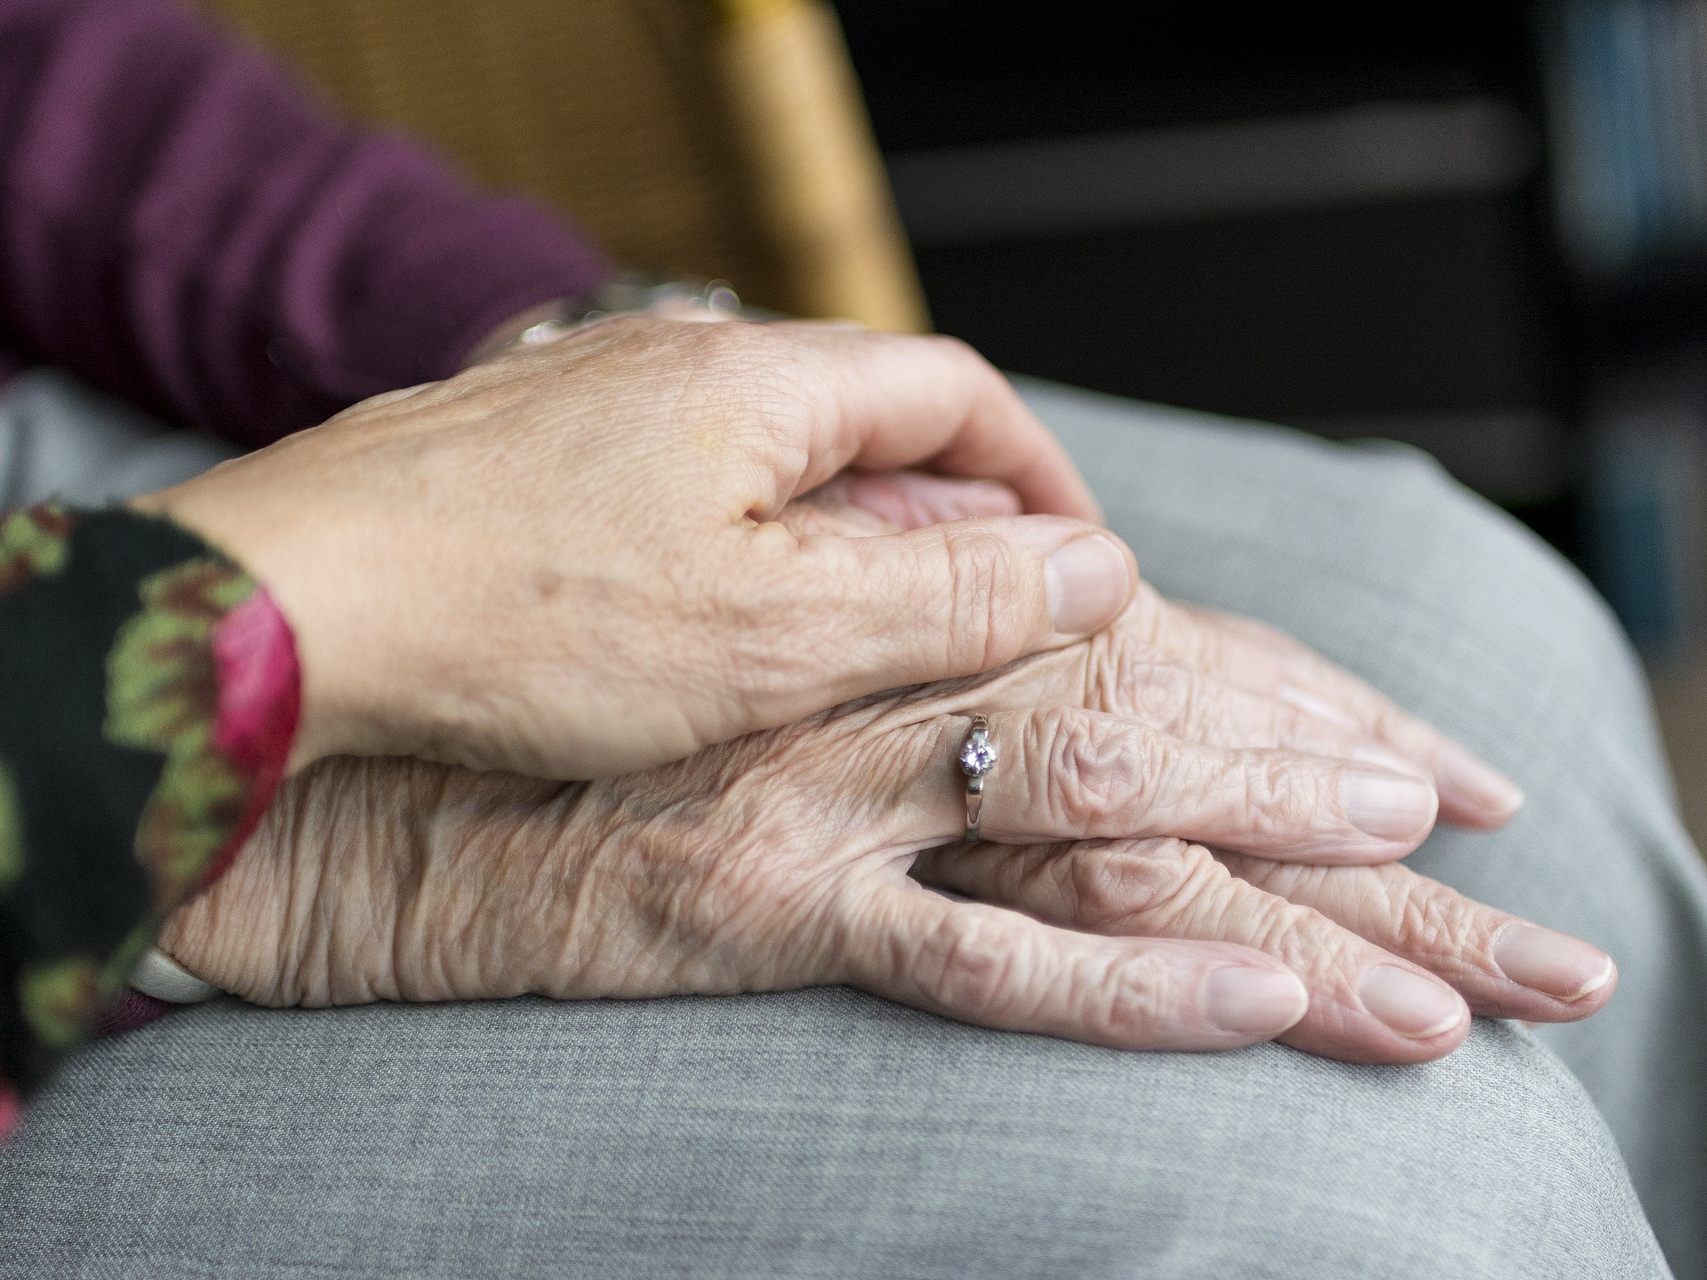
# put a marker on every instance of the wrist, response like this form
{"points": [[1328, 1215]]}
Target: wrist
{"points": [[392, 879], [316, 910], [244, 534]]}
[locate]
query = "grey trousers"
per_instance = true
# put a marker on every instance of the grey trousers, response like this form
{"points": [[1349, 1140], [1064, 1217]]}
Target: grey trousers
{"points": [[829, 1134]]}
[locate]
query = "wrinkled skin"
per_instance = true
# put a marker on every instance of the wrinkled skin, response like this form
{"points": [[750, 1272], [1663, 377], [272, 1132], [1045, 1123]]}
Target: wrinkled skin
{"points": [[799, 856]]}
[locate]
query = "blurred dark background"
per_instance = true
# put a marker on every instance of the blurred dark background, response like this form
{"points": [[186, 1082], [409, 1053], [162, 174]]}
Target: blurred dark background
{"points": [[1479, 228]]}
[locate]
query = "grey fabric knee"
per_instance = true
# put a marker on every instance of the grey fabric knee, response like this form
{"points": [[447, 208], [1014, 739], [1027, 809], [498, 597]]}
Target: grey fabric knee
{"points": [[816, 1134]]}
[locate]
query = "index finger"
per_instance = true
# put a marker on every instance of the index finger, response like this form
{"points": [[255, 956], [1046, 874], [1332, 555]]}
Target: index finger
{"points": [[906, 400]]}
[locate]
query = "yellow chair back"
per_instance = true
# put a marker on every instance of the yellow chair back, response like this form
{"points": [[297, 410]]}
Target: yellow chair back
{"points": [[718, 138]]}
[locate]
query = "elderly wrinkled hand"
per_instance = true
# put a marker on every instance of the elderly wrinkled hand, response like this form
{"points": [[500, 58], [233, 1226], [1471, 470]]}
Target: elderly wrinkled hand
{"points": [[566, 561], [1092, 909]]}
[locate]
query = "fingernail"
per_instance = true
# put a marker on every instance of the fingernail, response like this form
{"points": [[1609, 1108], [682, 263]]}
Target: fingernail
{"points": [[1254, 1002], [1388, 805], [1551, 963], [1411, 1005], [1470, 781], [1088, 583]]}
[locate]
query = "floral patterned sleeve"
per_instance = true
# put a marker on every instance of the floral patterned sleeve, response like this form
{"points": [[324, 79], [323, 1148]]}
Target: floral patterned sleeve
{"points": [[149, 692]]}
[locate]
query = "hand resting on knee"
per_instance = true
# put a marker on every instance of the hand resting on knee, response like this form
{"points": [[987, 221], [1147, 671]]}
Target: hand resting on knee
{"points": [[1190, 841]]}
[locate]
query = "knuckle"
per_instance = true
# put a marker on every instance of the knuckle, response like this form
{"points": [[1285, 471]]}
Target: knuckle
{"points": [[1299, 935], [983, 379], [1313, 940], [1288, 726], [983, 581], [1281, 797], [1306, 941], [1114, 888], [1139, 995], [1429, 921], [1107, 886], [953, 348], [968, 965], [1097, 768], [1159, 694], [769, 370], [1193, 883]]}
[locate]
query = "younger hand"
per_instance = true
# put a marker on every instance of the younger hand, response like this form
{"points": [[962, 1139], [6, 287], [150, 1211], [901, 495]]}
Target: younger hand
{"points": [[566, 561]]}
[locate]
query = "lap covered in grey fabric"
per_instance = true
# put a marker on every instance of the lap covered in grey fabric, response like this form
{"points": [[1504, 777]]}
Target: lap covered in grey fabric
{"points": [[827, 1134], [813, 1134]]}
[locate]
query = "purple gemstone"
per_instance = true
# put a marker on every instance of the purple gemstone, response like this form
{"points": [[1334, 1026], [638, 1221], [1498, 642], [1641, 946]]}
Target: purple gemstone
{"points": [[977, 757]]}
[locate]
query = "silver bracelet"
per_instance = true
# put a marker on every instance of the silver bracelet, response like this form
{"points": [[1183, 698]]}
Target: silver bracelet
{"points": [[624, 295]]}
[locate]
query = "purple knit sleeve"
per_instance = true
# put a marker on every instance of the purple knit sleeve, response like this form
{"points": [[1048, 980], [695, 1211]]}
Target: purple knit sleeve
{"points": [[181, 225]]}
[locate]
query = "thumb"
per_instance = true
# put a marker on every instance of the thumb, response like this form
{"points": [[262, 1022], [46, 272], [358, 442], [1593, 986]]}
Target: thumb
{"points": [[963, 598]]}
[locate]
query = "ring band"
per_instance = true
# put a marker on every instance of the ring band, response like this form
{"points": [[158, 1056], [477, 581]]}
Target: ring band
{"points": [[977, 758]]}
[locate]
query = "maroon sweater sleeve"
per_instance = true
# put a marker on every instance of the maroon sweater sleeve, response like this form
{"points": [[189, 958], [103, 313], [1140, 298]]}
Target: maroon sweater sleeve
{"points": [[180, 225]]}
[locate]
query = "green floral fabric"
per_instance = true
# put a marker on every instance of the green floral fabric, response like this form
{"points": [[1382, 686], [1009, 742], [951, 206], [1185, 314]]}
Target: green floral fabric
{"points": [[160, 697], [32, 544], [148, 696]]}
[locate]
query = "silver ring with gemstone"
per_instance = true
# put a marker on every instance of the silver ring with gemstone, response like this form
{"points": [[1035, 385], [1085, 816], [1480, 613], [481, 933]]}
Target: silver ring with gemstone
{"points": [[977, 758]]}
